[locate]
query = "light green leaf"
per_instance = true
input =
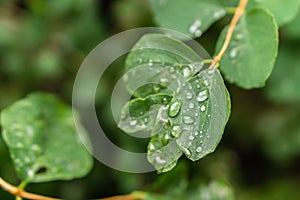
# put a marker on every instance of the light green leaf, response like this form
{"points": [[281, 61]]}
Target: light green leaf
{"points": [[43, 143], [187, 103], [284, 12], [191, 17], [251, 54]]}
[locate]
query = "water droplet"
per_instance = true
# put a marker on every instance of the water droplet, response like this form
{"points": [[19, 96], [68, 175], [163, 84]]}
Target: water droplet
{"points": [[156, 88], [196, 133], [195, 28], [189, 95], [151, 147], [206, 83], [191, 137], [191, 105], [159, 160], [176, 131], [198, 33], [174, 108], [233, 52], [239, 36], [202, 96], [203, 108], [164, 80], [219, 13], [133, 122], [186, 72], [30, 173], [199, 149], [188, 119], [167, 136]]}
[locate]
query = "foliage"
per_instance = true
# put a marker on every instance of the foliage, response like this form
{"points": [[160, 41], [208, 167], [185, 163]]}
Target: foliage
{"points": [[42, 44]]}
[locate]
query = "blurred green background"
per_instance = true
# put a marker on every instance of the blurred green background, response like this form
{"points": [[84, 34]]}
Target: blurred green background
{"points": [[42, 44]]}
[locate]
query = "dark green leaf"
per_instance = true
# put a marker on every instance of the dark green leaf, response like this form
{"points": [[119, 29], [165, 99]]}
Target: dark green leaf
{"points": [[251, 54], [43, 143], [188, 110], [284, 12], [191, 17]]}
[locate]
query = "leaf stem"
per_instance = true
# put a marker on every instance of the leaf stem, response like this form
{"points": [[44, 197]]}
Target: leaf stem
{"points": [[237, 14], [21, 193]]}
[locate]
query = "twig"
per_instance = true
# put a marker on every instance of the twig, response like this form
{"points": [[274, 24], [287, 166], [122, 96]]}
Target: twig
{"points": [[21, 193], [238, 13]]}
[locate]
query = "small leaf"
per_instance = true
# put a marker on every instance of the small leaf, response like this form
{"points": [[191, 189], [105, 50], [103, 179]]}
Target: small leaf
{"points": [[196, 108], [191, 17], [283, 85], [292, 29], [250, 57], [283, 12], [43, 143]]}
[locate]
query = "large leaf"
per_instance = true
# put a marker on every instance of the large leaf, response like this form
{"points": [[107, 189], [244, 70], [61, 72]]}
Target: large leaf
{"points": [[42, 140], [283, 12], [191, 17], [187, 108], [251, 54]]}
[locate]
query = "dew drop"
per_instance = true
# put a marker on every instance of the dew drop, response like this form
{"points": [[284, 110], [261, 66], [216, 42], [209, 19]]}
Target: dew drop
{"points": [[239, 36], [191, 105], [203, 108], [205, 83], [164, 80], [218, 14], [186, 72], [167, 136], [151, 147], [133, 122], [188, 119], [176, 131], [195, 28], [233, 52], [202, 96], [196, 133], [191, 137], [189, 95], [159, 160], [174, 108], [30, 173], [199, 149]]}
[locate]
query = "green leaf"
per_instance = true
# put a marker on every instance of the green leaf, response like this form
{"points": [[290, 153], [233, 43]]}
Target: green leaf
{"points": [[42, 139], [187, 107], [250, 57], [191, 17], [283, 85], [292, 29], [284, 12]]}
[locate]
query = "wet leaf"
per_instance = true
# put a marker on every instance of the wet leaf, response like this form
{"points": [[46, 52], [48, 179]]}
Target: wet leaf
{"points": [[42, 140]]}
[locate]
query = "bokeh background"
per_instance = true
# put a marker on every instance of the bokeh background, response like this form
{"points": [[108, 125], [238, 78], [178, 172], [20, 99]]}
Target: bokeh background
{"points": [[42, 44]]}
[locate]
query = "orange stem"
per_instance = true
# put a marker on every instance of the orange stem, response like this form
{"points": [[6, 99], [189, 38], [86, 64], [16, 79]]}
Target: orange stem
{"points": [[21, 193], [238, 13]]}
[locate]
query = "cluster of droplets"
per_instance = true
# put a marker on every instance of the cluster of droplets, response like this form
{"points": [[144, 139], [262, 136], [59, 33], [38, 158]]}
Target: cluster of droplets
{"points": [[194, 29]]}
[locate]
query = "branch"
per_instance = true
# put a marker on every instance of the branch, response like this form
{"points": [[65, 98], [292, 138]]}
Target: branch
{"points": [[21, 193], [238, 13]]}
